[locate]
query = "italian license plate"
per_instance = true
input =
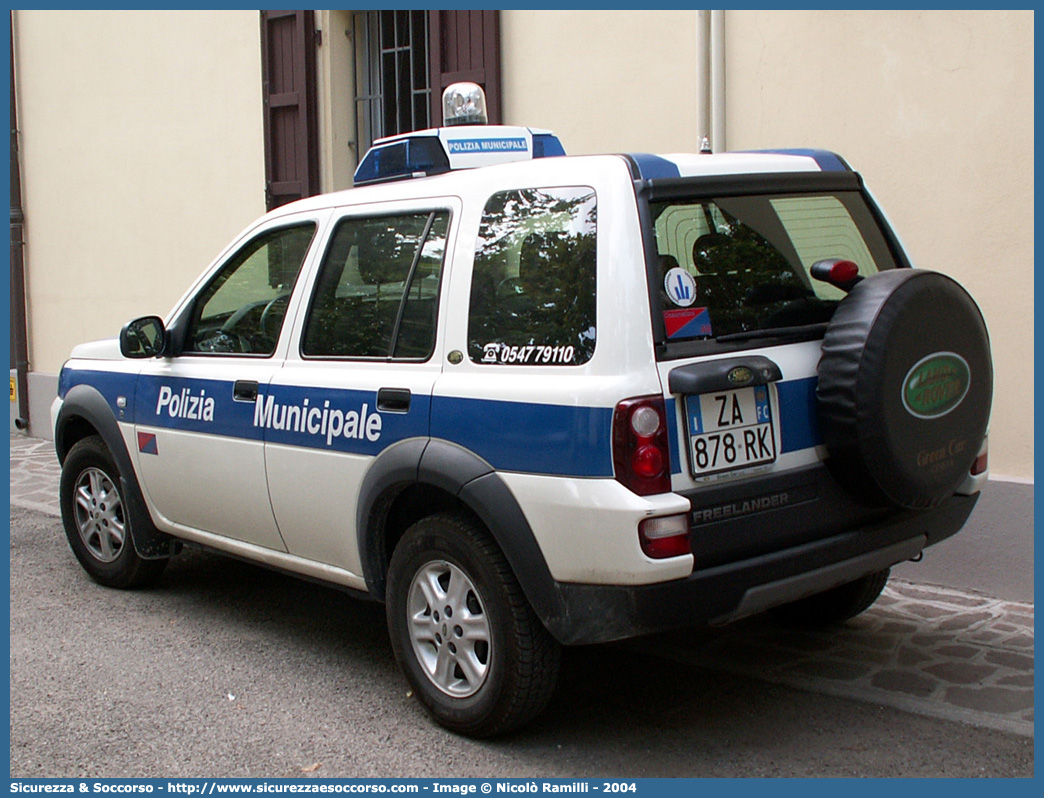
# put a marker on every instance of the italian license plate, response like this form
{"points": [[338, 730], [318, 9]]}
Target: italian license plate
{"points": [[730, 430]]}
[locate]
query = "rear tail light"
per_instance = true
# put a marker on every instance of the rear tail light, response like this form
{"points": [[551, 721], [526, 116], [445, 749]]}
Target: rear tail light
{"points": [[641, 454], [982, 462], [665, 537]]}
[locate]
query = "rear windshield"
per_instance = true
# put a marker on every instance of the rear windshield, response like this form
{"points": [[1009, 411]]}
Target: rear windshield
{"points": [[739, 264]]}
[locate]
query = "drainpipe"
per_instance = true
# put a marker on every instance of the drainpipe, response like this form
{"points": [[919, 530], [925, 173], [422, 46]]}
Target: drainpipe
{"points": [[717, 80], [710, 80], [703, 79], [19, 336]]}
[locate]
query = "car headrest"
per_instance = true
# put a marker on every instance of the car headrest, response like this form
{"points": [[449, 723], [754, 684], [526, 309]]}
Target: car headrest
{"points": [[708, 250], [667, 262], [383, 258]]}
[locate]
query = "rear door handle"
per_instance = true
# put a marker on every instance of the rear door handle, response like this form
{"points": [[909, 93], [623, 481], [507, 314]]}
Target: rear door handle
{"points": [[393, 400], [245, 390]]}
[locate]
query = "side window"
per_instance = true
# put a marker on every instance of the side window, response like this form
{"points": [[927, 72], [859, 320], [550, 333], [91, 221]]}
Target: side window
{"points": [[533, 287], [241, 311], [378, 288]]}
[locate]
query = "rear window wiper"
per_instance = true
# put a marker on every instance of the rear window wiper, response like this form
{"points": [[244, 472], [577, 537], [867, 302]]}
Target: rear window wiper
{"points": [[802, 332]]}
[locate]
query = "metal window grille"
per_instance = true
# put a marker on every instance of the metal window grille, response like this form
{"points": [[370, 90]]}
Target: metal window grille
{"points": [[392, 84]]}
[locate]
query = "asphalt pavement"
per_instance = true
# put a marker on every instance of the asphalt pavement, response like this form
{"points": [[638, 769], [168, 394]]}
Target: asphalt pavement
{"points": [[227, 669]]}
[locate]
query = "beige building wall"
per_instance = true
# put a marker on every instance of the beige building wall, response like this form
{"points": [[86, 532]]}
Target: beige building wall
{"points": [[934, 108], [604, 81], [115, 229], [335, 72]]}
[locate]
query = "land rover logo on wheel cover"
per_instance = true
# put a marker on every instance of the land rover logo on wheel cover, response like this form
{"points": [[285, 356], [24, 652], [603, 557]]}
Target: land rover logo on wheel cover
{"points": [[936, 385]]}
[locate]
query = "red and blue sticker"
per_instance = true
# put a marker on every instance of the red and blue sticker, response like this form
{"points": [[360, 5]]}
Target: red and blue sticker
{"points": [[147, 443], [687, 323]]}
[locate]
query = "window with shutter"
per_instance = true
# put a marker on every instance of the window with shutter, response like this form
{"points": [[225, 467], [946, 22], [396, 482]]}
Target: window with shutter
{"points": [[401, 60], [465, 45], [392, 86], [291, 132], [404, 60]]}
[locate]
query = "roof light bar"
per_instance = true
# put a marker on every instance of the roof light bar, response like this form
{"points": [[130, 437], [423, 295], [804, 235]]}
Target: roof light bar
{"points": [[465, 142]]}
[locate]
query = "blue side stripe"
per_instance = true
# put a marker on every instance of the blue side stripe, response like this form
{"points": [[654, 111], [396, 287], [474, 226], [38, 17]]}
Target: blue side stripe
{"points": [[109, 384], [193, 405], [512, 436], [347, 421], [673, 436], [797, 414], [531, 438], [320, 418]]}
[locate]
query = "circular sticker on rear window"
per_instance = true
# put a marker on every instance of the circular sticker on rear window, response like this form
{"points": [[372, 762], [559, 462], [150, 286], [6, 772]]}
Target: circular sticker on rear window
{"points": [[680, 287]]}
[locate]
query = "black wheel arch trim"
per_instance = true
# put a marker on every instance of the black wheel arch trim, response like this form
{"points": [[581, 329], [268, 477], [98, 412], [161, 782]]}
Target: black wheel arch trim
{"points": [[391, 471], [476, 484], [87, 403]]}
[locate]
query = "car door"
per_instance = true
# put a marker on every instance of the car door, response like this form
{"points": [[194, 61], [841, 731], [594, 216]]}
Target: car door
{"points": [[359, 371], [200, 450]]}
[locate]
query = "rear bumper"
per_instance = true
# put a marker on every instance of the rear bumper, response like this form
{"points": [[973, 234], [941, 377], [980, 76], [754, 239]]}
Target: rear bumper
{"points": [[724, 592]]}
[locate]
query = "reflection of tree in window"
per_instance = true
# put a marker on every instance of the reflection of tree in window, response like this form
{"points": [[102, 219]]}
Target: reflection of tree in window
{"points": [[746, 270], [534, 275], [377, 290]]}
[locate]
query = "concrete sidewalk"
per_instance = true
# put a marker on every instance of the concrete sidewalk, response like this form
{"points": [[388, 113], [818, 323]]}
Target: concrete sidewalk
{"points": [[926, 649], [34, 474]]}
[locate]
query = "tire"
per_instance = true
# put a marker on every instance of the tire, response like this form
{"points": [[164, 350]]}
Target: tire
{"points": [[94, 515], [836, 605], [466, 638], [905, 388]]}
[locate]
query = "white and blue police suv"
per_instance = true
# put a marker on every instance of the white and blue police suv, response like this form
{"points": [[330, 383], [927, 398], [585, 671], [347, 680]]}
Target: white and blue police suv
{"points": [[528, 400]]}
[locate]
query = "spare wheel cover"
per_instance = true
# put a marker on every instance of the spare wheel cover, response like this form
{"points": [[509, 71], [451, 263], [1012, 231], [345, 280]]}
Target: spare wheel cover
{"points": [[905, 388]]}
